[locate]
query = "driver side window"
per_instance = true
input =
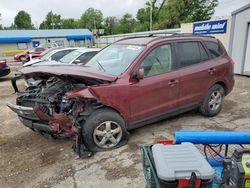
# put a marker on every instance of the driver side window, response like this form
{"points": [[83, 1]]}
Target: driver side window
{"points": [[158, 61]]}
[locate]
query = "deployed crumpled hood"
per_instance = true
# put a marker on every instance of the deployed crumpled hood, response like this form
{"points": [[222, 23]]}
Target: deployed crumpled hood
{"points": [[67, 70]]}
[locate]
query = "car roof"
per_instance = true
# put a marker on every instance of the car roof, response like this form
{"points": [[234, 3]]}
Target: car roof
{"points": [[62, 49], [88, 50], [145, 40]]}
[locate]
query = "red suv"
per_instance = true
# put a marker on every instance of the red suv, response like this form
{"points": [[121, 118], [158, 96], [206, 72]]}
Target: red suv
{"points": [[133, 82]]}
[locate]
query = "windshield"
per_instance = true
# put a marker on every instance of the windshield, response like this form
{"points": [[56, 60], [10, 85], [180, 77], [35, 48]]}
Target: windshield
{"points": [[115, 59], [47, 56], [70, 57]]}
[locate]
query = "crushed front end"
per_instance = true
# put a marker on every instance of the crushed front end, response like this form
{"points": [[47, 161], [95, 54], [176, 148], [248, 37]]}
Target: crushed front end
{"points": [[45, 107]]}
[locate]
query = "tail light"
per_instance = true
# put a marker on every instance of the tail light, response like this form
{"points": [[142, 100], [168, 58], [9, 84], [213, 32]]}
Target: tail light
{"points": [[3, 62], [231, 61]]}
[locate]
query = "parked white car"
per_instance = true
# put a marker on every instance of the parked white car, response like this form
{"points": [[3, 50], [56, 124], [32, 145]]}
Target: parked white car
{"points": [[52, 55], [80, 56]]}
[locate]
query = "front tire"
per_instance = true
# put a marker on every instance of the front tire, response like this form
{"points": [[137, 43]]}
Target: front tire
{"points": [[212, 104], [104, 130]]}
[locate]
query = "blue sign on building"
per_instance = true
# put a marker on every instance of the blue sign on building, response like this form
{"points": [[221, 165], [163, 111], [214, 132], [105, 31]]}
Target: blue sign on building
{"points": [[35, 43], [210, 27]]}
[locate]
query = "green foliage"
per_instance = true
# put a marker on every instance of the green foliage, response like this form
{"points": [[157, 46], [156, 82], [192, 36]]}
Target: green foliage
{"points": [[52, 21], [91, 19], [1, 27], [23, 20], [126, 24], [143, 16], [176, 12], [69, 23], [111, 25], [165, 14]]}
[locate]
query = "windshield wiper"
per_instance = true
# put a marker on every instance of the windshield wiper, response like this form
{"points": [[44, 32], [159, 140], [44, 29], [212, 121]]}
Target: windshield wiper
{"points": [[100, 65]]}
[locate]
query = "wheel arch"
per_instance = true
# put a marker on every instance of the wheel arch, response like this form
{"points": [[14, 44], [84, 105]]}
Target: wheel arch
{"points": [[223, 85]]}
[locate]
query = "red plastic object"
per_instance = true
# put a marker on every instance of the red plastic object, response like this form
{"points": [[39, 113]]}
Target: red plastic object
{"points": [[165, 142], [186, 183]]}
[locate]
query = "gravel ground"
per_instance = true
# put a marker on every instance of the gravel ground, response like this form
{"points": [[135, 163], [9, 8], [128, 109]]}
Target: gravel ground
{"points": [[29, 160]]}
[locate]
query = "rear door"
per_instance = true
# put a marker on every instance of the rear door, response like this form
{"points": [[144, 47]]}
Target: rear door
{"points": [[157, 92], [197, 71]]}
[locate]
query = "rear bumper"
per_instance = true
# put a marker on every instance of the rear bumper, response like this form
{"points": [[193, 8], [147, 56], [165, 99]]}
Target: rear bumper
{"points": [[4, 71]]}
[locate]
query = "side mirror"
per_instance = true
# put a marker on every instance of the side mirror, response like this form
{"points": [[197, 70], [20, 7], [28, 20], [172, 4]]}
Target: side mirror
{"points": [[140, 73], [77, 61]]}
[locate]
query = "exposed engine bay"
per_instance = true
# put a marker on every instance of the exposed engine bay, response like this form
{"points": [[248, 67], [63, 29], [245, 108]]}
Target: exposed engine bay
{"points": [[44, 106], [63, 102], [50, 107]]}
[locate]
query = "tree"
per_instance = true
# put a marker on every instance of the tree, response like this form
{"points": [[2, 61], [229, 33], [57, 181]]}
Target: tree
{"points": [[176, 12], [127, 24], [142, 16], [52, 21], [91, 19], [23, 20], [69, 23], [111, 25], [1, 27]]}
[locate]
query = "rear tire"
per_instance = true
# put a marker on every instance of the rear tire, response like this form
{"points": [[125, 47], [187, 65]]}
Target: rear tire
{"points": [[104, 130], [212, 104]]}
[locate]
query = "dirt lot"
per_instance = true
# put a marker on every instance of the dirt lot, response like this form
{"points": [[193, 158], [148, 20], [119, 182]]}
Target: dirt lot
{"points": [[29, 160]]}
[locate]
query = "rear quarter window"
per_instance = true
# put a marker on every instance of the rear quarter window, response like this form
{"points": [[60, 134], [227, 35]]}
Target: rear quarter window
{"points": [[214, 49]]}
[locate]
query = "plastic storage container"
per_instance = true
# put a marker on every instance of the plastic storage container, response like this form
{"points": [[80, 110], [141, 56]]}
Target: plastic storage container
{"points": [[175, 164]]}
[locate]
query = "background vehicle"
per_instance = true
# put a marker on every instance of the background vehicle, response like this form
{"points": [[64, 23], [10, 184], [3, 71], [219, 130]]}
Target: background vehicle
{"points": [[52, 55], [149, 79], [45, 52], [4, 69], [80, 56], [25, 56]]}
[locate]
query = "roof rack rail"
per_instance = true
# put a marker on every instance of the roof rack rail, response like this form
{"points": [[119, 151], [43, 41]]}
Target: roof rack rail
{"points": [[167, 34], [191, 35]]}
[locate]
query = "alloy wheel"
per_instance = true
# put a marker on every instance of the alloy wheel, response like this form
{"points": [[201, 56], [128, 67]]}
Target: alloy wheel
{"points": [[107, 135], [215, 100]]}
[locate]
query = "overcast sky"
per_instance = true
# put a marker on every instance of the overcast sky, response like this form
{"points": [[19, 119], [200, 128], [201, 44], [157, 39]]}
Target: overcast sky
{"points": [[74, 8]]}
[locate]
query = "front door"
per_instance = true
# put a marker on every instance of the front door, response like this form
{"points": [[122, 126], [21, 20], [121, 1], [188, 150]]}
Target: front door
{"points": [[158, 92]]}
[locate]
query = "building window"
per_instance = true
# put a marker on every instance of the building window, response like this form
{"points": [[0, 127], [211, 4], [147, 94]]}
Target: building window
{"points": [[22, 46]]}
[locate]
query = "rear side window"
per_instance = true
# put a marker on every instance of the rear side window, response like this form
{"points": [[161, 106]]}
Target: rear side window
{"points": [[190, 53], [58, 55], [84, 58], [214, 49]]}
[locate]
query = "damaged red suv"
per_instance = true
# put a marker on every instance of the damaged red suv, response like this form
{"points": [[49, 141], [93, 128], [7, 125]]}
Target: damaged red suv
{"points": [[133, 82]]}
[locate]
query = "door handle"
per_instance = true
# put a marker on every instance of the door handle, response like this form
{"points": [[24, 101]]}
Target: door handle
{"points": [[173, 82], [211, 70]]}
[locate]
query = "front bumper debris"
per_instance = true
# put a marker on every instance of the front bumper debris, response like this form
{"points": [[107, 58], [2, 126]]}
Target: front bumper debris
{"points": [[29, 118]]}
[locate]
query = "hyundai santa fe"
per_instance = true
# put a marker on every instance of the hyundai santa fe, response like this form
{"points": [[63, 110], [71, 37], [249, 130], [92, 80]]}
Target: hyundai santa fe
{"points": [[130, 83]]}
